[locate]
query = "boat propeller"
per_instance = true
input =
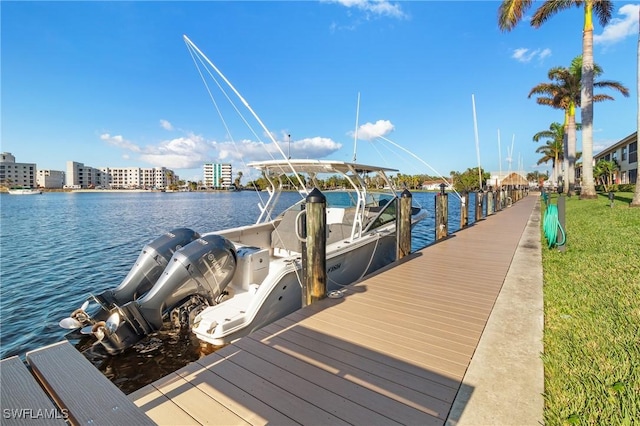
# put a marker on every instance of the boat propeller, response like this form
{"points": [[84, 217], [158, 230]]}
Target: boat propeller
{"points": [[77, 318], [102, 328]]}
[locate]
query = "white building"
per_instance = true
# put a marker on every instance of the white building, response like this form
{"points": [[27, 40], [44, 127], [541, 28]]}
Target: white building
{"points": [[80, 176], [50, 179], [625, 154], [139, 177], [17, 174], [217, 175]]}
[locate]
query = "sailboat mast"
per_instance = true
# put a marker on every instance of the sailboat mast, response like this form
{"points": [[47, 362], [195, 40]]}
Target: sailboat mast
{"points": [[475, 128], [355, 134], [499, 160]]}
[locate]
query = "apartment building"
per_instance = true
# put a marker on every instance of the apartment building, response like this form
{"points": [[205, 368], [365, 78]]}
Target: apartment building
{"points": [[625, 154], [17, 174], [217, 175], [53, 179], [79, 176], [139, 177]]}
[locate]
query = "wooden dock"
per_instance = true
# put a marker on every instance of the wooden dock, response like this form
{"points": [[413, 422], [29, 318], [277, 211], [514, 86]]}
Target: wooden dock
{"points": [[393, 350]]}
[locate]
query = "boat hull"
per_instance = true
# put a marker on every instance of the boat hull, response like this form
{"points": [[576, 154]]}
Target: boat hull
{"points": [[281, 293], [25, 191]]}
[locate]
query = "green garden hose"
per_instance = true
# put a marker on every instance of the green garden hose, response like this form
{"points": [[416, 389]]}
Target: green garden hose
{"points": [[551, 225]]}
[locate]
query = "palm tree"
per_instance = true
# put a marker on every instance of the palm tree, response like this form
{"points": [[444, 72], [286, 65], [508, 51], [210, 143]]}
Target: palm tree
{"points": [[552, 151], [565, 93], [555, 135], [238, 179], [512, 11], [604, 171], [636, 197]]}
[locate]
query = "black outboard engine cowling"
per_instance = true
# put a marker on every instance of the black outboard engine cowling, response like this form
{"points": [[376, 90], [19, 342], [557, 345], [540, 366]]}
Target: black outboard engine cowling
{"points": [[202, 268], [153, 259]]}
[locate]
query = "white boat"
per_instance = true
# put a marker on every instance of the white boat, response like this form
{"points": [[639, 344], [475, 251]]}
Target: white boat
{"points": [[266, 286], [24, 191], [225, 284]]}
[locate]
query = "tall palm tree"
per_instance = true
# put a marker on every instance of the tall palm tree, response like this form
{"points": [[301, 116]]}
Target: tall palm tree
{"points": [[552, 151], [565, 92], [636, 197], [555, 134], [510, 14]]}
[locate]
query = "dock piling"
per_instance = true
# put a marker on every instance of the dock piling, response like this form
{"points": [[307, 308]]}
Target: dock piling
{"points": [[404, 224], [315, 261]]}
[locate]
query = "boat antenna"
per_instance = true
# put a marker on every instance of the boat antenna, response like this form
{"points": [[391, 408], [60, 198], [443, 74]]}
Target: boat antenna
{"points": [[289, 139], [246, 104], [355, 134], [475, 127], [423, 162]]}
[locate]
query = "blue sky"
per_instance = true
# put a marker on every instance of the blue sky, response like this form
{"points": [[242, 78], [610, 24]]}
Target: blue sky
{"points": [[112, 84]]}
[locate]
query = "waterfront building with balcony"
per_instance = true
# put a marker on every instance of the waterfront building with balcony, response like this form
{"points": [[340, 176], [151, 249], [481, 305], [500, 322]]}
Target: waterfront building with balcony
{"points": [[217, 175], [17, 174]]}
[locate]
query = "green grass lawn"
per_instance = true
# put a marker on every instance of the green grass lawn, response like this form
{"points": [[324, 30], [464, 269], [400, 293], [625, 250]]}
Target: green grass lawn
{"points": [[592, 315]]}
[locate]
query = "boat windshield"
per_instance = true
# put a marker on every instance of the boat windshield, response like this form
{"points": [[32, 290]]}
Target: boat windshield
{"points": [[347, 199]]}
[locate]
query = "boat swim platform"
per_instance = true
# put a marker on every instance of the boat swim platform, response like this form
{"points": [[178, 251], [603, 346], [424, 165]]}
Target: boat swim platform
{"points": [[451, 334]]}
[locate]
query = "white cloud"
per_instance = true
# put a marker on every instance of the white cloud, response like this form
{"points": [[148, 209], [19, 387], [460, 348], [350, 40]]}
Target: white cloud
{"points": [[120, 142], [166, 125], [192, 151], [246, 151], [526, 55], [180, 153], [370, 131], [373, 7], [620, 28], [544, 53]]}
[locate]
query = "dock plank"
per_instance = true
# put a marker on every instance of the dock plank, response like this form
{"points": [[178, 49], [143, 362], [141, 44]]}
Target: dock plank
{"points": [[77, 386], [340, 361], [374, 393], [22, 400], [394, 348], [285, 401], [160, 408]]}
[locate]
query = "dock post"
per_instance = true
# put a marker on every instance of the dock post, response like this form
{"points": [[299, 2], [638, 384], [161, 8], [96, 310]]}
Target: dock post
{"points": [[464, 210], [404, 225], [442, 213], [498, 200], [479, 196], [315, 262], [490, 202]]}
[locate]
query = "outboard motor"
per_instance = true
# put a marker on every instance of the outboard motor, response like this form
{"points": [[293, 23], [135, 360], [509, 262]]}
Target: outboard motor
{"points": [[143, 275], [153, 259], [196, 275]]}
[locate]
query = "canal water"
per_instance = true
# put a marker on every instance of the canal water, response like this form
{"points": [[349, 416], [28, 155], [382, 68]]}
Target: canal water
{"points": [[56, 248]]}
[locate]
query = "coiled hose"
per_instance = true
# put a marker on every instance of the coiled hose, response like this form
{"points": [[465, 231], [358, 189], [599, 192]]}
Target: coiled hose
{"points": [[551, 225]]}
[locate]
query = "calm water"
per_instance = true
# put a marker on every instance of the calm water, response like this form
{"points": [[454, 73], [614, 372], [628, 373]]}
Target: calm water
{"points": [[56, 248]]}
